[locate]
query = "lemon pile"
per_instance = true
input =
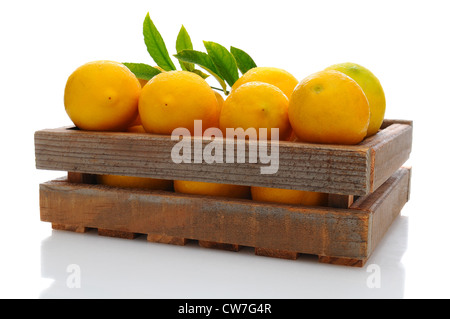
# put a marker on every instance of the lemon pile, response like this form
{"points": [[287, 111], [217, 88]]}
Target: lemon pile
{"points": [[342, 104]]}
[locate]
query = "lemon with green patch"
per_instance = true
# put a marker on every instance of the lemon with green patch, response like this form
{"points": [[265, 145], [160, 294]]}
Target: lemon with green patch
{"points": [[372, 89]]}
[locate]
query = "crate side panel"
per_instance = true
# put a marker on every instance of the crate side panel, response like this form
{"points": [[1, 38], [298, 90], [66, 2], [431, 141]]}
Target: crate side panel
{"points": [[326, 168], [385, 204], [390, 148], [312, 230]]}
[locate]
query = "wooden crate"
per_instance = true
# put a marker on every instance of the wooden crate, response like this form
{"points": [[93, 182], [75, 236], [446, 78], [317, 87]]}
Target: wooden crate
{"points": [[367, 188]]}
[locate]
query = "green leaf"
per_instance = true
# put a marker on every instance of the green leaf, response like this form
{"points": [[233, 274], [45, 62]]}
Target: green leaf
{"points": [[142, 71], [184, 43], [204, 61], [199, 58], [156, 46], [183, 40], [243, 60], [223, 60], [202, 74]]}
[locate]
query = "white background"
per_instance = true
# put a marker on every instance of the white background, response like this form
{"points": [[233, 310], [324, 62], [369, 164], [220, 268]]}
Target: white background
{"points": [[403, 42]]}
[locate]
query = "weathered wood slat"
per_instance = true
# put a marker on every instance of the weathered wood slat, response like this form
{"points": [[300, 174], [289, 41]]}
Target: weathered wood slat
{"points": [[165, 239], [340, 201], [342, 236], [242, 222], [389, 150], [388, 122], [73, 177], [74, 228], [217, 245], [277, 253], [385, 204], [346, 170]]}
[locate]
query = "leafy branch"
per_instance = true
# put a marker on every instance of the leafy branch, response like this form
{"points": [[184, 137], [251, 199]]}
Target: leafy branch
{"points": [[223, 64]]}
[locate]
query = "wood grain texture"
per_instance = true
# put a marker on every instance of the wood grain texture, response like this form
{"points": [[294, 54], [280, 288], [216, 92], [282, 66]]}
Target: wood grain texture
{"points": [[388, 122], [340, 201], [83, 178], [216, 245], [341, 236], [343, 261], [165, 239], [117, 233], [277, 253], [74, 228], [389, 150], [239, 222], [346, 170], [385, 204]]}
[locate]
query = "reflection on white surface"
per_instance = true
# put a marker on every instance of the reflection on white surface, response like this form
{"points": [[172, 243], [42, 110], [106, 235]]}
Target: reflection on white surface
{"points": [[91, 266]]}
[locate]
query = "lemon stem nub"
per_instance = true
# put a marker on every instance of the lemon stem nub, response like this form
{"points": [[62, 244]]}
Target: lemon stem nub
{"points": [[318, 89]]}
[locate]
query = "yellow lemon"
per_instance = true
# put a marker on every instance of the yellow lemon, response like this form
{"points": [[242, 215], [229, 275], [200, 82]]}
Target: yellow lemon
{"points": [[256, 105], [102, 96], [371, 87], [135, 182], [282, 79], [220, 101], [289, 196], [175, 99], [212, 189], [329, 107]]}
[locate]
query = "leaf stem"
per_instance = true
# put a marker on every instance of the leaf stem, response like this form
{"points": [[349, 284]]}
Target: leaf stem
{"points": [[219, 89]]}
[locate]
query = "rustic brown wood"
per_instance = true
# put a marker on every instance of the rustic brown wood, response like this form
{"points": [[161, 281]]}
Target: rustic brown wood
{"points": [[340, 201], [221, 220], [409, 181], [74, 228], [277, 253], [346, 170], [385, 204], [117, 233], [342, 236], [74, 177], [388, 122], [216, 245], [343, 261], [389, 149], [165, 239]]}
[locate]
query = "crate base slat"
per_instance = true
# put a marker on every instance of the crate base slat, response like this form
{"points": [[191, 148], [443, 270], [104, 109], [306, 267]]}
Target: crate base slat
{"points": [[277, 253], [117, 233], [343, 261], [165, 239], [74, 228], [344, 236], [217, 245]]}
